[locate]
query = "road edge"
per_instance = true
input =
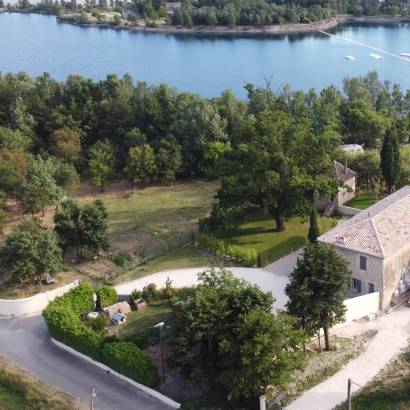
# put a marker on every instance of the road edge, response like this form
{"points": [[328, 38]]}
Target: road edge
{"points": [[151, 392]]}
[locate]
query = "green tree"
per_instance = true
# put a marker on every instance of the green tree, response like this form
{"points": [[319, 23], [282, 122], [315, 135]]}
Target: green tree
{"points": [[13, 139], [141, 166], [313, 233], [168, 159], [101, 163], [39, 188], [212, 337], [390, 160], [30, 252], [82, 227], [317, 289], [66, 144]]}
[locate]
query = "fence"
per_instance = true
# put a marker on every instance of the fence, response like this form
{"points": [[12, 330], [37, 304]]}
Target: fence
{"points": [[32, 305]]}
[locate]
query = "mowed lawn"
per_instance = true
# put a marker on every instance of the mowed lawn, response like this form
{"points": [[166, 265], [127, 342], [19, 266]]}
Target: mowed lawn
{"points": [[363, 200], [258, 232]]}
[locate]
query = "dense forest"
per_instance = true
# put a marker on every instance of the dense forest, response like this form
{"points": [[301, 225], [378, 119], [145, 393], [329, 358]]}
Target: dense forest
{"points": [[53, 133], [267, 12], [227, 12]]}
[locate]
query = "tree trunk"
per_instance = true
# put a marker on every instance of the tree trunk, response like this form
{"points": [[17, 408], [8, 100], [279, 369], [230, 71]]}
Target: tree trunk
{"points": [[280, 222], [319, 341], [327, 342]]}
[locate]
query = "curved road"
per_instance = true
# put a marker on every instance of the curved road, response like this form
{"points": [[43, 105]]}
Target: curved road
{"points": [[26, 341]]}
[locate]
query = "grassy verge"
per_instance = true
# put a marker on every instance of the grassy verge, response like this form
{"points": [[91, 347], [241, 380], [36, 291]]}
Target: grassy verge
{"points": [[19, 390], [363, 200], [321, 366], [390, 390], [258, 232]]}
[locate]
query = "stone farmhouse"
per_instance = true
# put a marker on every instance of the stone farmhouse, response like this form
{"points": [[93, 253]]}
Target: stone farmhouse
{"points": [[344, 194], [376, 243]]}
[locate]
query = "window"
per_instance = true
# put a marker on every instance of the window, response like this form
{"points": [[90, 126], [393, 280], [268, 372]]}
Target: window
{"points": [[357, 285], [363, 263], [371, 287]]}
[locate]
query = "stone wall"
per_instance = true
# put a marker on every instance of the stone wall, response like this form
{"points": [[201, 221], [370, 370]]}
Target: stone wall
{"points": [[344, 195]]}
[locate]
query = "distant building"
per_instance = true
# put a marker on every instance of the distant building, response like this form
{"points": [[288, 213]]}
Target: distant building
{"points": [[376, 242], [344, 194], [352, 148]]}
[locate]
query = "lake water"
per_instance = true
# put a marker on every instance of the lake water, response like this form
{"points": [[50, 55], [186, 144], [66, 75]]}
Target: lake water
{"points": [[202, 64]]}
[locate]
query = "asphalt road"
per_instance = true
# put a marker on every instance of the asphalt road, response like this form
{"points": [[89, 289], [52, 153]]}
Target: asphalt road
{"points": [[26, 341]]}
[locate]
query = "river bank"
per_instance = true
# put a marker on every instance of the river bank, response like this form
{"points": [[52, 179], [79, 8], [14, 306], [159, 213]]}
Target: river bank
{"points": [[254, 30]]}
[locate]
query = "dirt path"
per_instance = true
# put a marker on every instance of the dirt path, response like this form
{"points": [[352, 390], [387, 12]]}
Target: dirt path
{"points": [[393, 334]]}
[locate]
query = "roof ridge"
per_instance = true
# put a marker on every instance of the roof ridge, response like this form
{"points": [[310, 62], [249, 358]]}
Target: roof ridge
{"points": [[393, 204], [378, 238]]}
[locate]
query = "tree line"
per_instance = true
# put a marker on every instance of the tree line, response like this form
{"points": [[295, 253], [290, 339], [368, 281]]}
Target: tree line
{"points": [[270, 150], [267, 12]]}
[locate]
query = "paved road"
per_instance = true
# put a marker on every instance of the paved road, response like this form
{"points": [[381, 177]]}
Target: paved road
{"points": [[273, 278], [26, 341]]}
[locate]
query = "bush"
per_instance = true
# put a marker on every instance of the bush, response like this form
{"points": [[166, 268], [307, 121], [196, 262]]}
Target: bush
{"points": [[98, 324], [247, 255], [150, 292], [121, 260], [168, 292], [63, 320], [135, 294], [130, 361], [106, 296]]}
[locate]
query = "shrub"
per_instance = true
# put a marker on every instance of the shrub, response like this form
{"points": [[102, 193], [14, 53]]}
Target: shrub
{"points": [[135, 294], [168, 292], [98, 324], [63, 320], [121, 260], [150, 292], [106, 296], [130, 361]]}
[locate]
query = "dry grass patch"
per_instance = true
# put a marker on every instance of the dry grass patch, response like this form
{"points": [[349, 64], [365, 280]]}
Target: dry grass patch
{"points": [[20, 390]]}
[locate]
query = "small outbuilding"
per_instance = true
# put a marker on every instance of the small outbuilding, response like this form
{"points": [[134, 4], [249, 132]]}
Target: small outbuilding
{"points": [[121, 307]]}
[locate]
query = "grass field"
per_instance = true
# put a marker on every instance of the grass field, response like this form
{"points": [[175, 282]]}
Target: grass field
{"points": [[258, 232], [363, 200], [19, 390], [140, 321], [390, 390]]}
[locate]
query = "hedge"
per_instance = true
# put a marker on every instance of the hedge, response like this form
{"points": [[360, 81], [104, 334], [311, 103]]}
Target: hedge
{"points": [[247, 255], [129, 360], [63, 318], [106, 296]]}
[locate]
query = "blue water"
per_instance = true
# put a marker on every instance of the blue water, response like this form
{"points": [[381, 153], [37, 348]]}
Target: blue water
{"points": [[202, 64]]}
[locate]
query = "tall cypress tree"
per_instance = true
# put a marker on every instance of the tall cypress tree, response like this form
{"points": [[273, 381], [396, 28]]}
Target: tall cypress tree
{"points": [[313, 226], [390, 160]]}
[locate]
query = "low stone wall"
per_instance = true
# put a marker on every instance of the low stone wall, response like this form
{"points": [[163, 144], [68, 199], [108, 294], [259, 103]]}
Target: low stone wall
{"points": [[32, 305], [151, 392], [362, 306], [347, 210]]}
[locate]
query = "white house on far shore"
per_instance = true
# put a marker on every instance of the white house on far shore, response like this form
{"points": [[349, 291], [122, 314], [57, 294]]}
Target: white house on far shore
{"points": [[376, 243]]}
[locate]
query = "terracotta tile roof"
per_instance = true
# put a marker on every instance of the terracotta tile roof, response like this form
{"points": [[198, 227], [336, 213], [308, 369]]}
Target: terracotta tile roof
{"points": [[380, 230], [343, 172]]}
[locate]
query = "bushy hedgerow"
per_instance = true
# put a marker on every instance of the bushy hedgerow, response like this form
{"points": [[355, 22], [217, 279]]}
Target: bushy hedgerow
{"points": [[247, 255], [106, 296], [63, 318], [129, 360]]}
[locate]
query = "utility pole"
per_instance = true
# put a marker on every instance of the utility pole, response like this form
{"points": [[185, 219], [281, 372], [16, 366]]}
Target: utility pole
{"points": [[349, 394], [93, 395], [160, 327]]}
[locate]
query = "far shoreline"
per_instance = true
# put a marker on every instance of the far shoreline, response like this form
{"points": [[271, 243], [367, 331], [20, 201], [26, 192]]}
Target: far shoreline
{"points": [[274, 30]]}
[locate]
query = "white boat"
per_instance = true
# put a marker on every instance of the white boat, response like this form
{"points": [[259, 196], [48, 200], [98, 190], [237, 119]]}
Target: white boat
{"points": [[405, 55], [376, 56], [350, 58]]}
